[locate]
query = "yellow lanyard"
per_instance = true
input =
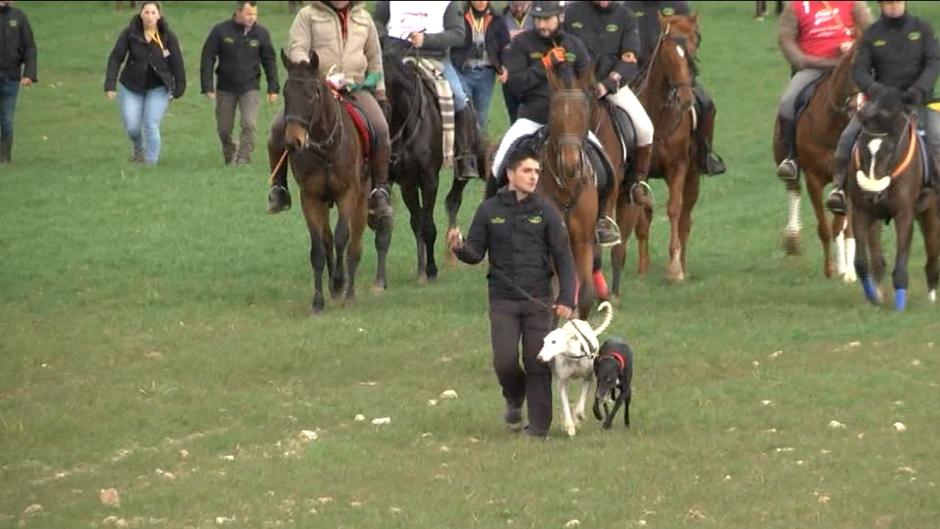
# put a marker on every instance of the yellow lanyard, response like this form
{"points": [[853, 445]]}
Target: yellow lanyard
{"points": [[477, 24], [521, 23], [156, 37]]}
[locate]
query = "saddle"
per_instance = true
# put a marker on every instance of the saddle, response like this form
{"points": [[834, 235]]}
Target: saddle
{"points": [[363, 126], [623, 126], [603, 169], [431, 74], [805, 95]]}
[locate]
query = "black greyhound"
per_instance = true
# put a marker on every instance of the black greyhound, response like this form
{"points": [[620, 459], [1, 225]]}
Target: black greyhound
{"points": [[613, 368]]}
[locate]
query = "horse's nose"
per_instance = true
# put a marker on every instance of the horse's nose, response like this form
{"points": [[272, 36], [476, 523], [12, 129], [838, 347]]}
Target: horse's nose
{"points": [[295, 136]]}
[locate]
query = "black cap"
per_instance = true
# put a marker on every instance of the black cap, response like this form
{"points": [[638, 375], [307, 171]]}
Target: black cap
{"points": [[546, 9]]}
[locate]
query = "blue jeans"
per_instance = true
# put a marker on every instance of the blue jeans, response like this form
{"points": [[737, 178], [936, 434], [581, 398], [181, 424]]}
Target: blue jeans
{"points": [[142, 113], [9, 88], [479, 84], [460, 97]]}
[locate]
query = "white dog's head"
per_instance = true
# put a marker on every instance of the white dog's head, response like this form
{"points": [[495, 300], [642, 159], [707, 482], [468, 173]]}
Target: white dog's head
{"points": [[568, 340]]}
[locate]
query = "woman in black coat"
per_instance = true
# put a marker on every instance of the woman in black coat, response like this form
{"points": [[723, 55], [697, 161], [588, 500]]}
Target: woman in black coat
{"points": [[151, 76]]}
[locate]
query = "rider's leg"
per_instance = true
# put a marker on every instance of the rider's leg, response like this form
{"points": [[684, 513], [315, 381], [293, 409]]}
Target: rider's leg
{"points": [[521, 127], [932, 126], [625, 99], [278, 196], [465, 126], [705, 132], [380, 205], [607, 232], [836, 201], [786, 114]]}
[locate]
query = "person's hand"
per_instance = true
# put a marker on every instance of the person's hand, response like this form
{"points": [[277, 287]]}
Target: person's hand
{"points": [[454, 239], [26, 81], [210, 96], [562, 311], [272, 98], [503, 75], [845, 46], [554, 57], [416, 39], [513, 33], [600, 90], [913, 96], [110, 94]]}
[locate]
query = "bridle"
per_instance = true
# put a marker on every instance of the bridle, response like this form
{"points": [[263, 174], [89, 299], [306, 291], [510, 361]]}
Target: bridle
{"points": [[569, 139], [416, 105], [321, 149], [672, 101]]}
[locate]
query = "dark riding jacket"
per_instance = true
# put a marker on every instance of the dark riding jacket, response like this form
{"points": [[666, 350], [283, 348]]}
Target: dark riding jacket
{"points": [[146, 60], [240, 57], [610, 35], [525, 240], [17, 47], [900, 53], [527, 80], [648, 23]]}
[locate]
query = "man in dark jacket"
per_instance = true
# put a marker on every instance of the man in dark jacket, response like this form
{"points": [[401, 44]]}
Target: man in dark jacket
{"points": [[514, 22], [898, 53], [647, 16], [434, 28], [17, 68], [241, 46], [525, 238]]}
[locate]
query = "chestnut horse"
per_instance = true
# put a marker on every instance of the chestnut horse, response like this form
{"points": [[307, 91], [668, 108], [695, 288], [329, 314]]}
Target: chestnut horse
{"points": [[327, 161], [817, 133], [567, 178], [666, 94], [888, 186]]}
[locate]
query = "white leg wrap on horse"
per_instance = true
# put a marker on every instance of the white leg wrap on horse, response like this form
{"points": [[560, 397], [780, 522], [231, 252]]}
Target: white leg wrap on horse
{"points": [[850, 276], [932, 296], [840, 253], [793, 217], [625, 99], [522, 127]]}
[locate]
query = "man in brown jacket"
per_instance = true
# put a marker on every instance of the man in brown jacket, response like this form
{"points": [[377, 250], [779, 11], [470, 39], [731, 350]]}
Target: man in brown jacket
{"points": [[345, 39]]}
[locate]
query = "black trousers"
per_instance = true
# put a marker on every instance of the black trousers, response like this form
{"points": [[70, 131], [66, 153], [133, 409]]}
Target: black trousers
{"points": [[525, 322]]}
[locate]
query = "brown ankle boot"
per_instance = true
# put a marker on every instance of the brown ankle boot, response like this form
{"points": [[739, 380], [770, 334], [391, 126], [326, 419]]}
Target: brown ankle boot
{"points": [[639, 191]]}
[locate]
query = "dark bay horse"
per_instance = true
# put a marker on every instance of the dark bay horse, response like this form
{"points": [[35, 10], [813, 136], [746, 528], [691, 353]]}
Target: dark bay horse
{"points": [[327, 161], [817, 134], [567, 178], [666, 94], [417, 154], [888, 185]]}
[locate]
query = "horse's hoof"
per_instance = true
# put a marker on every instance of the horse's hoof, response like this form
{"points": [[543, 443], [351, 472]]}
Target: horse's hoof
{"points": [[932, 296], [422, 279], [791, 244], [378, 288], [849, 276], [570, 430]]}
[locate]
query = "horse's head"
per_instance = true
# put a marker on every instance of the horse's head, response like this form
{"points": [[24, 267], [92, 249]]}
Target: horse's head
{"points": [[304, 92], [677, 52], [399, 79], [569, 114], [886, 126]]}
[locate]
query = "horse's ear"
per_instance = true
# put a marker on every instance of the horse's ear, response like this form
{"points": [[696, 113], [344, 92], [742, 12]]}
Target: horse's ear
{"points": [[694, 17], [284, 60]]}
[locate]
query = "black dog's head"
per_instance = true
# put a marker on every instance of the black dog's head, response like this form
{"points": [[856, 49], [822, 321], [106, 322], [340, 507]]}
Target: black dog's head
{"points": [[613, 365]]}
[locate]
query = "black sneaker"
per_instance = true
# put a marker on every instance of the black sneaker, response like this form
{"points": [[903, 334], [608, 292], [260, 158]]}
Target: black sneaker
{"points": [[836, 201], [278, 199], [513, 418], [714, 165], [607, 232], [535, 434]]}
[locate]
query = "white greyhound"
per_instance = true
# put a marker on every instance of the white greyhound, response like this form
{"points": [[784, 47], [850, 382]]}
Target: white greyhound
{"points": [[572, 348]]}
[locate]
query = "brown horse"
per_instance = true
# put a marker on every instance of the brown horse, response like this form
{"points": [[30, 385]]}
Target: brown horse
{"points": [[817, 133], [327, 161], [888, 185], [567, 179], [666, 94]]}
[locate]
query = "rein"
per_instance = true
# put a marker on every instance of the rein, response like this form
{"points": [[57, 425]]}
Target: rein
{"points": [[319, 148], [416, 110]]}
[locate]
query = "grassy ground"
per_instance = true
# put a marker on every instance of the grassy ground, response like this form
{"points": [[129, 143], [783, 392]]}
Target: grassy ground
{"points": [[155, 339]]}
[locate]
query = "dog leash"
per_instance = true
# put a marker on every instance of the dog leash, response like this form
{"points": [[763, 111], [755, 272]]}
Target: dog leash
{"points": [[519, 289]]}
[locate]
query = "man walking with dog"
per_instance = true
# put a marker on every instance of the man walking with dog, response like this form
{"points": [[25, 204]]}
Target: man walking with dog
{"points": [[526, 240]]}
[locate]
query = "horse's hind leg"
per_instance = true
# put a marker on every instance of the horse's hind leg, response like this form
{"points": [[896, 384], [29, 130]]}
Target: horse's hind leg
{"points": [[690, 197], [814, 187], [863, 225], [644, 220], [317, 216], [626, 220], [358, 217], [676, 181], [341, 239], [845, 248], [930, 229]]}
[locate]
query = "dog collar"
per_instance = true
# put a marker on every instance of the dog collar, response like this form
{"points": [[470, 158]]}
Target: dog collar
{"points": [[620, 360]]}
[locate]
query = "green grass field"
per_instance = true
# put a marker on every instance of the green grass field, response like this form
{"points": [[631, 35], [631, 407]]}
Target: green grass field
{"points": [[155, 338]]}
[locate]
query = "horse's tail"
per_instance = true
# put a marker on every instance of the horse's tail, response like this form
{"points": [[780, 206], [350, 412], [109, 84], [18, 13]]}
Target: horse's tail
{"points": [[605, 306]]}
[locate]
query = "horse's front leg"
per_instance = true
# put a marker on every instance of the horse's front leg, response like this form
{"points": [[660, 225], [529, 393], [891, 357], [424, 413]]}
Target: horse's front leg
{"points": [[861, 223], [791, 233], [428, 229], [676, 176], [904, 227], [340, 241], [317, 215], [814, 187], [358, 214]]}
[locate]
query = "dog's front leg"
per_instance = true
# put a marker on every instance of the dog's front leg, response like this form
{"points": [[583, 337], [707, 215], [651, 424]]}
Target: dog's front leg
{"points": [[582, 401], [609, 413], [566, 408]]}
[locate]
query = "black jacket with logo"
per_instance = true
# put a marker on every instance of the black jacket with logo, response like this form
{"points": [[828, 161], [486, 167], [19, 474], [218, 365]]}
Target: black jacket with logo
{"points": [[609, 34], [167, 63], [17, 47], [901, 53], [647, 20], [523, 239], [527, 80], [240, 57]]}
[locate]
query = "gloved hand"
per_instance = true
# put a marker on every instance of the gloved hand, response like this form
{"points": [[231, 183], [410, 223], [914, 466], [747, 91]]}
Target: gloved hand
{"points": [[877, 90], [554, 57], [371, 81], [914, 96]]}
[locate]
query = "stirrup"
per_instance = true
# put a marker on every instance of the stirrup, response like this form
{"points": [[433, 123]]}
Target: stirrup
{"points": [[788, 170], [380, 189], [614, 233], [641, 183], [834, 204], [714, 165]]}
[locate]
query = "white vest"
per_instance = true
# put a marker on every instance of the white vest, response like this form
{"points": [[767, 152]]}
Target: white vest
{"points": [[405, 18]]}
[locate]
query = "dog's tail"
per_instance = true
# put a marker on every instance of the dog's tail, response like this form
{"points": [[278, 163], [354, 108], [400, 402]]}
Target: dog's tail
{"points": [[605, 306]]}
